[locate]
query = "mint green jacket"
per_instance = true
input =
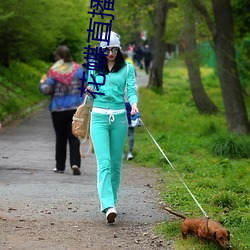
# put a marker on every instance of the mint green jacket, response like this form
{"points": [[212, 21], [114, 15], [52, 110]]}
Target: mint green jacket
{"points": [[116, 84]]}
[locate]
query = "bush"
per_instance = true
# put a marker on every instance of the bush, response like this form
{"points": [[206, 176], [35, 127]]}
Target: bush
{"points": [[224, 200], [231, 146], [19, 87]]}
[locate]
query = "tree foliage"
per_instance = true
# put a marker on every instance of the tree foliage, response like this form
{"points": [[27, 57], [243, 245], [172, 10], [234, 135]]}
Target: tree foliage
{"points": [[175, 24], [32, 32], [242, 34], [133, 17], [241, 18]]}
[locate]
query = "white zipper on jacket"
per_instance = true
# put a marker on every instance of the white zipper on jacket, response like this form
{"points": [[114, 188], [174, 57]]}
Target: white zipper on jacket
{"points": [[109, 87]]}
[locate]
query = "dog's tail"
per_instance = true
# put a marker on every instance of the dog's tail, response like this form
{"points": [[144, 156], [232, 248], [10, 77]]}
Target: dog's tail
{"points": [[175, 213]]}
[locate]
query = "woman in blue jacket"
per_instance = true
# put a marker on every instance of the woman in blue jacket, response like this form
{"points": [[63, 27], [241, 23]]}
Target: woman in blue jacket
{"points": [[62, 84], [109, 123]]}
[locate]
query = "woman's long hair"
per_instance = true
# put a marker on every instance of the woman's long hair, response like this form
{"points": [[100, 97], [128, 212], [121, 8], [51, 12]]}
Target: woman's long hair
{"points": [[119, 63]]}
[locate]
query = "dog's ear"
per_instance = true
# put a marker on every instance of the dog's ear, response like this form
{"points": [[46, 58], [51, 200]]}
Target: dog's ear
{"points": [[228, 237], [214, 235]]}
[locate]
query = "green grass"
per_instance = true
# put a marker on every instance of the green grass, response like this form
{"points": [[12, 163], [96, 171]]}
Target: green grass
{"points": [[214, 164], [19, 87]]}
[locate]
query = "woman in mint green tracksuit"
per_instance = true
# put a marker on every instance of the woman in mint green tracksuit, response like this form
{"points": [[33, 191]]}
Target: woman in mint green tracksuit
{"points": [[109, 123]]}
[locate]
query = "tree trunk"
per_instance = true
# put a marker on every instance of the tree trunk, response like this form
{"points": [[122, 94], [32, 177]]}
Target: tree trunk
{"points": [[235, 109], [201, 99], [159, 47], [223, 38]]}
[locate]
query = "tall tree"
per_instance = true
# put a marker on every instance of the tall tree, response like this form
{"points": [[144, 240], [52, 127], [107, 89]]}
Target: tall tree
{"points": [[201, 99], [159, 46], [223, 38]]}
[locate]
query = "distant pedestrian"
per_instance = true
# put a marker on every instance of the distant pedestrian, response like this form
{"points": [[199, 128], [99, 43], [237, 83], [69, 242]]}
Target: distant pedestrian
{"points": [[128, 109], [131, 130], [139, 56], [62, 85], [147, 54]]}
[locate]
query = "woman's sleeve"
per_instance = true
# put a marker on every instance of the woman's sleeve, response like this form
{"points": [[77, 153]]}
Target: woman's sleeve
{"points": [[80, 73], [89, 79], [47, 87], [131, 85]]}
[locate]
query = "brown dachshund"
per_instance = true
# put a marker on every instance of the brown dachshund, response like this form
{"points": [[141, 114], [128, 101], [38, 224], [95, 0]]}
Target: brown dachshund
{"points": [[204, 229]]}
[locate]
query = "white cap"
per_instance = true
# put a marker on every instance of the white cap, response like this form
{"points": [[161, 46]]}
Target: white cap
{"points": [[114, 40]]}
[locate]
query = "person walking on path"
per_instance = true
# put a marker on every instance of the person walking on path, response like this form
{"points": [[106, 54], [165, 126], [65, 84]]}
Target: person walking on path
{"points": [[109, 125], [128, 109], [147, 54], [131, 129], [62, 84]]}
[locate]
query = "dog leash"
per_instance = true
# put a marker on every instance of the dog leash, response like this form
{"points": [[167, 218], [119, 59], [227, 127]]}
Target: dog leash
{"points": [[174, 170]]}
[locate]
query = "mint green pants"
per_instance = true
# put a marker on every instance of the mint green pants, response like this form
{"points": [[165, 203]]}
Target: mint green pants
{"points": [[108, 136]]}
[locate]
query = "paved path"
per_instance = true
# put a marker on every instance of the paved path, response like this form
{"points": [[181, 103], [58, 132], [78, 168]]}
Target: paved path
{"points": [[141, 78], [27, 160], [31, 191], [26, 163]]}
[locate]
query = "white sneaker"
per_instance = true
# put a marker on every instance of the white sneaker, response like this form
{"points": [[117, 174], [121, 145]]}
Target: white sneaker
{"points": [[76, 170], [58, 171], [111, 214], [130, 156]]}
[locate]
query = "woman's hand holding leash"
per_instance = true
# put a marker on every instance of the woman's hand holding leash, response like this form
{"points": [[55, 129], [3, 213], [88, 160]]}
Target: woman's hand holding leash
{"points": [[134, 109], [135, 116]]}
